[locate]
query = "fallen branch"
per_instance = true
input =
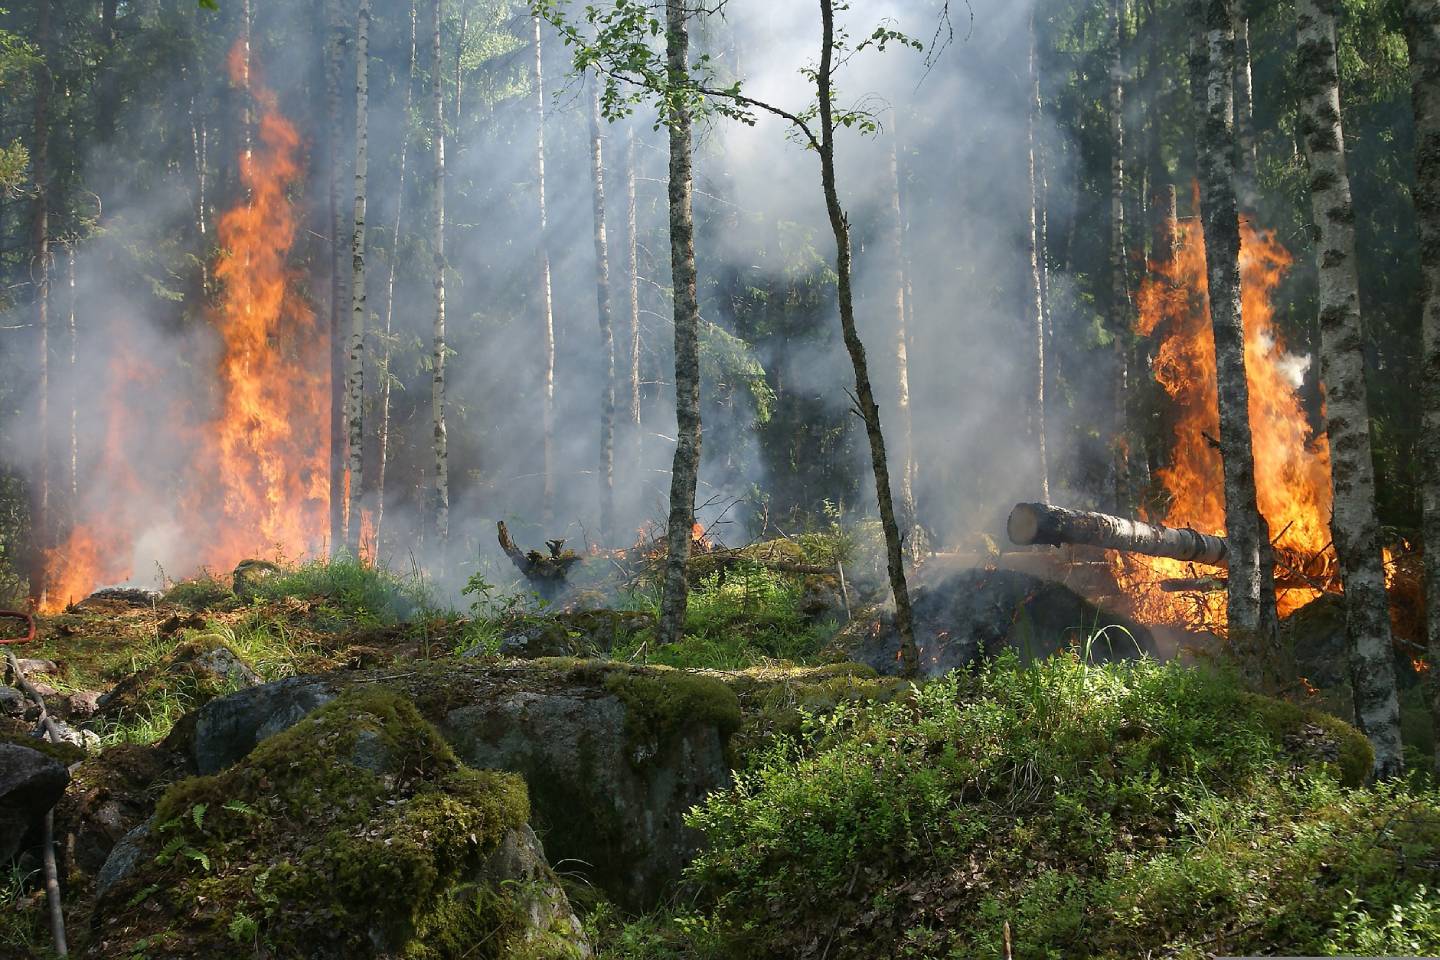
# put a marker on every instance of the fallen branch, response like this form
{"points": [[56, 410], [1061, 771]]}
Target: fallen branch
{"points": [[47, 839]]}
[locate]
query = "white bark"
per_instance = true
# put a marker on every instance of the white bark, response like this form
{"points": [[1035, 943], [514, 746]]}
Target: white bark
{"points": [[1035, 297], [606, 470], [1355, 527], [547, 319], [355, 374], [440, 489]]}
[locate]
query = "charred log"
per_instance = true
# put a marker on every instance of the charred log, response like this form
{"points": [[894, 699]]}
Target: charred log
{"points": [[1032, 523], [546, 572]]}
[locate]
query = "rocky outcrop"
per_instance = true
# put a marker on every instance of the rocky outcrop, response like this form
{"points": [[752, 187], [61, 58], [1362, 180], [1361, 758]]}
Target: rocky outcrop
{"points": [[194, 672], [32, 780], [614, 756], [973, 615], [357, 833]]}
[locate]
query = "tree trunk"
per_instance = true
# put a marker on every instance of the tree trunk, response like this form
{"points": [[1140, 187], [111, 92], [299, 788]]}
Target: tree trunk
{"points": [[355, 379], [1119, 283], [1035, 297], [72, 342], [383, 446], [40, 270], [1032, 523], [1250, 604], [547, 324], [1354, 525], [685, 470], [338, 292], [632, 241], [440, 494], [607, 324], [864, 395], [1247, 186], [1422, 24], [909, 518]]}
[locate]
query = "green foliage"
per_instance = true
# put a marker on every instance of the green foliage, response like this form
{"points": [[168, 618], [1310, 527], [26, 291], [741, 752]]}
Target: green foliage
{"points": [[205, 592], [352, 592], [1101, 811]]}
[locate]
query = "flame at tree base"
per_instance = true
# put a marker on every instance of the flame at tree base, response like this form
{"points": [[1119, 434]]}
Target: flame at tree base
{"points": [[1292, 460], [254, 480]]}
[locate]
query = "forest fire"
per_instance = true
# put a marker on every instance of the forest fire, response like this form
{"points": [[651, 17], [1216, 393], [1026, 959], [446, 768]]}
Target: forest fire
{"points": [[1292, 462], [255, 479]]}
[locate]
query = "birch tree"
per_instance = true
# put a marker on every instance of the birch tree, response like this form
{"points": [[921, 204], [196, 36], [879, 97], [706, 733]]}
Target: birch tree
{"points": [[908, 513], [545, 299], [440, 481], [1422, 27], [632, 272], [382, 451], [1247, 187], [1250, 601], [1119, 282], [338, 291], [1354, 526], [355, 374], [606, 470], [1035, 296]]}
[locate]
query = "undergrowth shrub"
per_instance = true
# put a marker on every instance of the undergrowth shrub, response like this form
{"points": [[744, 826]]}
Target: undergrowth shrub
{"points": [[351, 591], [1100, 811]]}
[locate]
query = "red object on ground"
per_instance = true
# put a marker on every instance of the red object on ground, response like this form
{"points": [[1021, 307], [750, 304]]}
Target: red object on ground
{"points": [[24, 618]]}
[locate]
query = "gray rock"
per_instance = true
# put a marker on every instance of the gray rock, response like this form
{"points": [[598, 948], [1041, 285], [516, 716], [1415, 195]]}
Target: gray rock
{"points": [[973, 615], [611, 809], [125, 856], [30, 666], [31, 783], [520, 862], [84, 738], [13, 703], [82, 704], [228, 728], [135, 596]]}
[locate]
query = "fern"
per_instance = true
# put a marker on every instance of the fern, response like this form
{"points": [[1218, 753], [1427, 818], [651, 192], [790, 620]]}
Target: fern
{"points": [[197, 813]]}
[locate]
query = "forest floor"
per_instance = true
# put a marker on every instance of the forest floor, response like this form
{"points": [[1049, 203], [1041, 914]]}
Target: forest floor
{"points": [[1051, 809]]}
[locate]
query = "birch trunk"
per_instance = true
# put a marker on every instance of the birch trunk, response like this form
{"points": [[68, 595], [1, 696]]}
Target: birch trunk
{"points": [[355, 375], [864, 395], [383, 445], [338, 293], [632, 242], [685, 470], [1354, 526], [40, 267], [72, 342], [909, 518], [440, 493], [1035, 298], [1247, 187], [1119, 282], [1250, 602], [1423, 31], [607, 324], [547, 319]]}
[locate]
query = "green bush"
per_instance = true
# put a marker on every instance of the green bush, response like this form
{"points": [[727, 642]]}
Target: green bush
{"points": [[1105, 811], [351, 592]]}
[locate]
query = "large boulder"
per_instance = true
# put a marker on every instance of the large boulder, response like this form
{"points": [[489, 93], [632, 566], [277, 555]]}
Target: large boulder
{"points": [[357, 833], [32, 780], [973, 615], [109, 796], [614, 755]]}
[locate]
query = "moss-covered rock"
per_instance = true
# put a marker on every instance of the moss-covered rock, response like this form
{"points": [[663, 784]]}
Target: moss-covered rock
{"points": [[355, 833]]}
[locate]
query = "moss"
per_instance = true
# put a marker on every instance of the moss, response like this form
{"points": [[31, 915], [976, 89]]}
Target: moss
{"points": [[348, 834], [1338, 745], [202, 593], [660, 701], [66, 753]]}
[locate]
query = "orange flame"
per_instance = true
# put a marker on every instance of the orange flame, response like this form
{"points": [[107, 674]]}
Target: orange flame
{"points": [[257, 482], [1292, 461]]}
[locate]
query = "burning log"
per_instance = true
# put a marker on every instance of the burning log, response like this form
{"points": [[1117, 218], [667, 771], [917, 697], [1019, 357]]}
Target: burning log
{"points": [[1032, 523], [547, 573]]}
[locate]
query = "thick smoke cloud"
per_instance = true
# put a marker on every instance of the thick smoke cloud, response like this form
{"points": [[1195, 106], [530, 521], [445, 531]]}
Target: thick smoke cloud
{"points": [[960, 122]]}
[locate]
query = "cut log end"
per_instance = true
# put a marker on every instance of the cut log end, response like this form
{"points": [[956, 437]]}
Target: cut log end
{"points": [[1024, 523]]}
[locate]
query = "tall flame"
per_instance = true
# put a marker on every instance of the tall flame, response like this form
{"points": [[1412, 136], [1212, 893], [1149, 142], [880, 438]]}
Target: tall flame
{"points": [[255, 482], [1292, 461]]}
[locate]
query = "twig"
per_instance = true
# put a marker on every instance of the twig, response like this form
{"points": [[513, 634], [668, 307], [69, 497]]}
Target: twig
{"points": [[52, 873]]}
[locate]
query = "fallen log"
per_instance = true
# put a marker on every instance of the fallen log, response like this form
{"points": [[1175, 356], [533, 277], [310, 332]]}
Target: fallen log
{"points": [[1032, 523]]}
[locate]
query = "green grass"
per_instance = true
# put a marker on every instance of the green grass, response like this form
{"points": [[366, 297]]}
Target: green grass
{"points": [[351, 592], [749, 616], [1100, 811]]}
